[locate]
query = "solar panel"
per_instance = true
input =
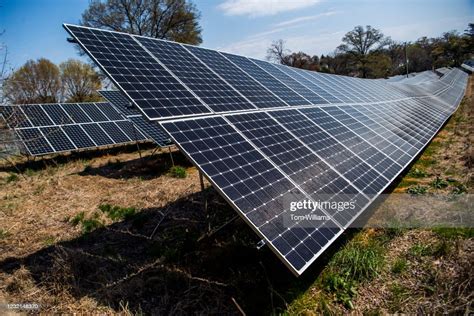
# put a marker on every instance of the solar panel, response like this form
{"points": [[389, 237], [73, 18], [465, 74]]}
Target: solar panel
{"points": [[63, 127], [249, 87], [309, 95], [206, 84], [151, 129], [153, 89], [303, 136], [267, 80]]}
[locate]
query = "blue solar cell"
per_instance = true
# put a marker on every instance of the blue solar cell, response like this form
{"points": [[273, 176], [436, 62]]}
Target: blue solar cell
{"points": [[250, 88], [267, 80], [211, 89], [154, 90], [57, 138], [34, 141]]}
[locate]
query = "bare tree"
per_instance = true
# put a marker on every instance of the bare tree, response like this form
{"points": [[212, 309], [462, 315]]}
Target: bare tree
{"points": [[277, 52], [360, 42], [175, 20], [80, 81], [35, 82]]}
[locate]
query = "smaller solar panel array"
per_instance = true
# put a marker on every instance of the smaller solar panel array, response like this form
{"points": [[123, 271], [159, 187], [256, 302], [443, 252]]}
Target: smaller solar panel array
{"points": [[151, 129], [53, 128]]}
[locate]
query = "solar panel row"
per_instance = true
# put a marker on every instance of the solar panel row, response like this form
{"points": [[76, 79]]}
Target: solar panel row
{"points": [[52, 128], [171, 80], [260, 161], [271, 135], [150, 129]]}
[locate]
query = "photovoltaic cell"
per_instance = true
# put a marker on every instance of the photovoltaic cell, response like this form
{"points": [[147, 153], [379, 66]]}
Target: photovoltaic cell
{"points": [[216, 93], [57, 114], [150, 130], [309, 95], [81, 139], [153, 89], [120, 101], [93, 112], [35, 142], [62, 127], [250, 88], [267, 80], [76, 113], [36, 115], [97, 134], [57, 138]]}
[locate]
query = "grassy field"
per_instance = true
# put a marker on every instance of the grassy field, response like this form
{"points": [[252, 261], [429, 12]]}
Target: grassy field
{"points": [[113, 233]]}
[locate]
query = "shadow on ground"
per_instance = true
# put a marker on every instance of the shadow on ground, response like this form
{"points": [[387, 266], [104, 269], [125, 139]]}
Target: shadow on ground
{"points": [[38, 163], [148, 167], [170, 272]]}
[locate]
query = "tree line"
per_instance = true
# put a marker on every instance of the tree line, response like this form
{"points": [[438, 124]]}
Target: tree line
{"points": [[367, 53]]}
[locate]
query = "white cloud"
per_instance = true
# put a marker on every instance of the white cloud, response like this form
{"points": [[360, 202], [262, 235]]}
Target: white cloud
{"points": [[315, 44], [307, 18], [255, 8]]}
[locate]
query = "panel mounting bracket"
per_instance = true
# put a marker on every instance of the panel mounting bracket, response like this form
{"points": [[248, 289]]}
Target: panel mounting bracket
{"points": [[261, 244]]}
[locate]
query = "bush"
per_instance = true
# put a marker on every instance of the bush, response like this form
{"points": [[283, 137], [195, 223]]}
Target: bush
{"points": [[178, 172]]}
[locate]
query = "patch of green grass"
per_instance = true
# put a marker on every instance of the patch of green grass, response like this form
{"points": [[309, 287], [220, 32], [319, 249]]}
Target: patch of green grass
{"points": [[38, 189], [91, 224], [48, 241], [452, 233], [458, 189], [117, 212], [399, 265], [88, 224], [307, 303], [12, 177], [420, 250], [417, 189], [343, 289], [4, 234], [78, 218], [393, 229], [441, 248], [417, 173], [178, 172], [439, 183], [359, 260]]}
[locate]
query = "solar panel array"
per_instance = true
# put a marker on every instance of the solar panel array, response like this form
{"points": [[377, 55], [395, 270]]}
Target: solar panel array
{"points": [[266, 134], [63, 127], [150, 129]]}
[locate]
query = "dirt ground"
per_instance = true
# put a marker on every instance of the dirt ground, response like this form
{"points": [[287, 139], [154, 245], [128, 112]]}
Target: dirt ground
{"points": [[61, 248]]}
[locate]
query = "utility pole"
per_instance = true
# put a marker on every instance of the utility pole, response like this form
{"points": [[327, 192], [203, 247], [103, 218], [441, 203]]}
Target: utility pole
{"points": [[406, 58]]}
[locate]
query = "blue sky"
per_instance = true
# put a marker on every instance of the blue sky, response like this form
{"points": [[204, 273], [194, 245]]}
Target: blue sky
{"points": [[33, 27]]}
